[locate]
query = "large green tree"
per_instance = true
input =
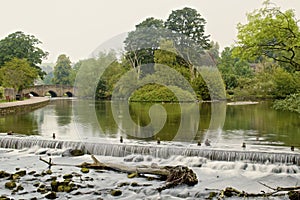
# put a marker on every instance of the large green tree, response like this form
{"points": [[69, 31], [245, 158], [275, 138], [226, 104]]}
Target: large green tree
{"points": [[271, 33], [22, 46], [63, 71], [18, 74], [142, 42], [188, 22]]}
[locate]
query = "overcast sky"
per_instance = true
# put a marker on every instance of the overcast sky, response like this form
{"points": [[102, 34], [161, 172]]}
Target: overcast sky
{"points": [[78, 27]]}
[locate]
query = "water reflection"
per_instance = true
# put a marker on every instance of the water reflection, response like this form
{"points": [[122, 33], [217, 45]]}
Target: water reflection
{"points": [[257, 124]]}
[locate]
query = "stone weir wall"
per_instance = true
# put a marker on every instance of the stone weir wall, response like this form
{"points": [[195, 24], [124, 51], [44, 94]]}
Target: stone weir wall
{"points": [[23, 106]]}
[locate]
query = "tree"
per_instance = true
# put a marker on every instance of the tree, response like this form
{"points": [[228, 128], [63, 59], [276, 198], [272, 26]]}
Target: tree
{"points": [[141, 43], [62, 71], [232, 68], [18, 74], [21, 46], [271, 33], [189, 38], [188, 22]]}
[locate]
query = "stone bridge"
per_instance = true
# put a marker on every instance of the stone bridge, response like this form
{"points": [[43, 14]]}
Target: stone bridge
{"points": [[53, 90]]}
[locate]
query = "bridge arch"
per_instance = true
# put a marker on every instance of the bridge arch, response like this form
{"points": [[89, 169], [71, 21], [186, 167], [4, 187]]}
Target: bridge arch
{"points": [[54, 90], [52, 93], [33, 94], [69, 94]]}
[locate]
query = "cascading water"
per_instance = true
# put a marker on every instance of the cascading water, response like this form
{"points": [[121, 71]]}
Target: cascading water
{"points": [[160, 151]]}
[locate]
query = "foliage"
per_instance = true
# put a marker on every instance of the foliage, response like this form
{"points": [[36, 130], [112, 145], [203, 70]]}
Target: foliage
{"points": [[21, 46], [141, 43], [209, 84], [63, 71], [290, 103], [188, 22], [232, 68], [95, 77], [1, 92], [269, 82], [271, 33], [18, 74], [158, 93]]}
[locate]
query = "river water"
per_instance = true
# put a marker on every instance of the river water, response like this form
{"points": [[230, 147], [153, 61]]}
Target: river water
{"points": [[97, 126], [255, 124]]}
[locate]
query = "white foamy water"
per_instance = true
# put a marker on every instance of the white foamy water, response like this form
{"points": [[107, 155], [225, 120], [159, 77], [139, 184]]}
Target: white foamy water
{"points": [[213, 174]]}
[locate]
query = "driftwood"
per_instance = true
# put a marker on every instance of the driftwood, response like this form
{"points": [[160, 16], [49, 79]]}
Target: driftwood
{"points": [[173, 175]]}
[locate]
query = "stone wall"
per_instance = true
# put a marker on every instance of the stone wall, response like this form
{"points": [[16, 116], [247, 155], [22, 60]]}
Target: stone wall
{"points": [[22, 108]]}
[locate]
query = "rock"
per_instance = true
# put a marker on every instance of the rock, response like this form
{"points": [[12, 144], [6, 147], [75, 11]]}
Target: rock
{"points": [[51, 195], [294, 195], [123, 184], [54, 185], [67, 176], [85, 170], [20, 187], [67, 189], [134, 184], [14, 177], [3, 197], [32, 172], [4, 174], [116, 192], [21, 173], [72, 152], [132, 175], [10, 185], [138, 159], [49, 172], [36, 184], [60, 188]]}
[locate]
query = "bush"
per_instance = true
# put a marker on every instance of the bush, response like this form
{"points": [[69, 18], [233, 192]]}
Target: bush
{"points": [[290, 103], [159, 93]]}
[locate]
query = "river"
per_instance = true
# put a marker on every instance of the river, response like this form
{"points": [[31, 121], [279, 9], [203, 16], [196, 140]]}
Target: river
{"points": [[97, 127], [256, 124]]}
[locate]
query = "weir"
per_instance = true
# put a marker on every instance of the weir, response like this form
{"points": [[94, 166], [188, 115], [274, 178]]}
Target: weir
{"points": [[121, 150]]}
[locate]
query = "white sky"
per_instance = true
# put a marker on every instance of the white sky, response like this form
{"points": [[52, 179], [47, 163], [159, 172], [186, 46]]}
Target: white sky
{"points": [[78, 27]]}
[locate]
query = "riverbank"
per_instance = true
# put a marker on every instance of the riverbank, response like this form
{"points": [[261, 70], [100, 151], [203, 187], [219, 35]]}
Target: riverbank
{"points": [[23, 106]]}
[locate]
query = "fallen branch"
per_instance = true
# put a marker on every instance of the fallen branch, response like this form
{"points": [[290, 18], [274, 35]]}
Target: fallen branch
{"points": [[173, 175]]}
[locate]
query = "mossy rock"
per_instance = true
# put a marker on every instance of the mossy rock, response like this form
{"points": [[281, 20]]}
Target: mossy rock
{"points": [[123, 184], [15, 177], [132, 175], [42, 190], [51, 195], [116, 192], [4, 174], [60, 188], [2, 197], [54, 185], [67, 188], [77, 152], [10, 185], [85, 170], [68, 176], [49, 172], [21, 173]]}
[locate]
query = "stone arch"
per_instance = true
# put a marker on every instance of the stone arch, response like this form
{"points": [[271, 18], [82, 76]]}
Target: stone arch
{"points": [[33, 93], [69, 94], [52, 93]]}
